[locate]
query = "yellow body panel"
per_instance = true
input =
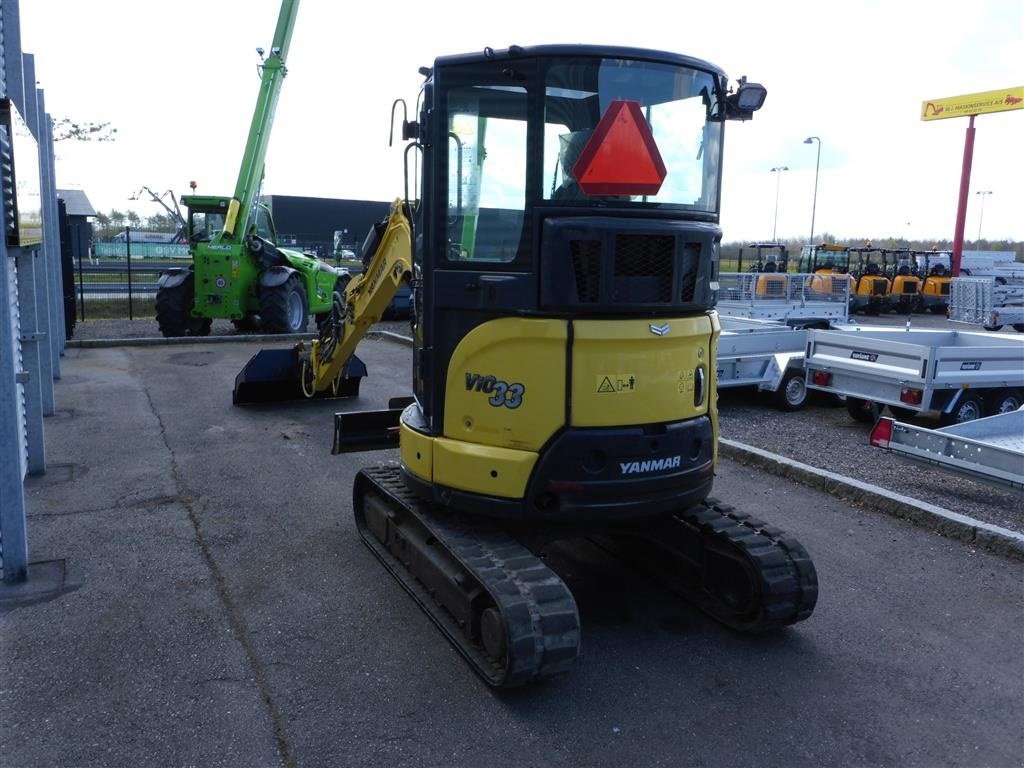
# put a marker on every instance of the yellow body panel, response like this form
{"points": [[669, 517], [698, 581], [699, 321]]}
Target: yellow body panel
{"points": [[771, 286], [231, 219], [872, 285], [933, 287], [901, 285], [482, 469], [416, 451], [625, 373], [506, 384], [490, 447], [716, 331]]}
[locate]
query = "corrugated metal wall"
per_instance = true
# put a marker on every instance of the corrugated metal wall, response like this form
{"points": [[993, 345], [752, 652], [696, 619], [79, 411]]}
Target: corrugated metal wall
{"points": [[21, 423], [32, 336]]}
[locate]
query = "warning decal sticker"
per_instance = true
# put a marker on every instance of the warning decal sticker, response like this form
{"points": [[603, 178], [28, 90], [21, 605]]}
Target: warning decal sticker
{"points": [[616, 382]]}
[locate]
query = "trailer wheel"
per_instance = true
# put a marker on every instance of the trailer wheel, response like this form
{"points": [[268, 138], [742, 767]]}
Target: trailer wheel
{"points": [[993, 328], [902, 414], [283, 307], [1005, 401], [792, 392], [970, 407], [1018, 327], [864, 411]]}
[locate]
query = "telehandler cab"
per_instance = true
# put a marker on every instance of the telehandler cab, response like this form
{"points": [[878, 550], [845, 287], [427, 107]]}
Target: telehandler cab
{"points": [[563, 255]]}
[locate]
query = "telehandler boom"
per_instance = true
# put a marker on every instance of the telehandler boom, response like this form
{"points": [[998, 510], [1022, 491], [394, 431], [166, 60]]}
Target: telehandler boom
{"points": [[563, 256], [237, 270]]}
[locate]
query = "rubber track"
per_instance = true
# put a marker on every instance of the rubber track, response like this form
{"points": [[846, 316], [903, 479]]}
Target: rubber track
{"points": [[538, 609], [788, 580]]}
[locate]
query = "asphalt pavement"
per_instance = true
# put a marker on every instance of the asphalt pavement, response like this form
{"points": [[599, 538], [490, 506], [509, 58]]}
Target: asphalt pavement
{"points": [[213, 606]]}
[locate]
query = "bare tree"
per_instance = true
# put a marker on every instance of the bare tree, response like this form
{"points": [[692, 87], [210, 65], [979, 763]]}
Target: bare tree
{"points": [[65, 128]]}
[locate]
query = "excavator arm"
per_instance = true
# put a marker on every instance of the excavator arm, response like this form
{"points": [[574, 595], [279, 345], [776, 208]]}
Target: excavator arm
{"points": [[328, 367], [366, 297]]}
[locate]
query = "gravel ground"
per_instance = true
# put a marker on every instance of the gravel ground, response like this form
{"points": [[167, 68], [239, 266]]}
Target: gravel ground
{"points": [[821, 435], [824, 435]]}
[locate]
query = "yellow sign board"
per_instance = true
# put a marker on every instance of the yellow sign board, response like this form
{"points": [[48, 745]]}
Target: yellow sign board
{"points": [[973, 104]]}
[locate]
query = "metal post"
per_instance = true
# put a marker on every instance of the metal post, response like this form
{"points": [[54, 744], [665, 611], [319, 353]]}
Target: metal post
{"points": [[51, 237], [778, 182], [961, 210], [128, 252], [34, 361], [13, 538], [81, 276], [37, 330], [817, 165], [981, 215]]}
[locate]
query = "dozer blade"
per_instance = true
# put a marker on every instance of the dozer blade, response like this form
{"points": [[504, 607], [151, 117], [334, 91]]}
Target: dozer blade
{"points": [[275, 376]]}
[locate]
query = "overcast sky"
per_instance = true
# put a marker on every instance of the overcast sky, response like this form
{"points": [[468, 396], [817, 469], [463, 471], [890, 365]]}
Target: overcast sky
{"points": [[178, 80]]}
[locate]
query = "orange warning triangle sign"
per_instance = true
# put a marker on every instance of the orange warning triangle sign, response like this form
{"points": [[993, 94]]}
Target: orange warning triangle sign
{"points": [[621, 157]]}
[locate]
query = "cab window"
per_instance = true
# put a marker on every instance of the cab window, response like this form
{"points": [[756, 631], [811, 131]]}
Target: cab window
{"points": [[486, 173]]}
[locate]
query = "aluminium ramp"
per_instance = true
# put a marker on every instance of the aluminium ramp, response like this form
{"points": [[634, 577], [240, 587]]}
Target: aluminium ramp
{"points": [[991, 448]]}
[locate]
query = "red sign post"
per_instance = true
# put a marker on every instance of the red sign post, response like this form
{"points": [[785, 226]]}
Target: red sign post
{"points": [[971, 105]]}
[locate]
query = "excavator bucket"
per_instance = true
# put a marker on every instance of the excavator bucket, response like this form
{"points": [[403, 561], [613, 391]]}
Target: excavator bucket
{"points": [[275, 376]]}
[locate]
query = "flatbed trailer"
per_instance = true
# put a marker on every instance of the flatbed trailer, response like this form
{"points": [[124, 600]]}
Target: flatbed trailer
{"points": [[991, 448], [987, 302], [955, 375], [795, 299], [767, 355]]}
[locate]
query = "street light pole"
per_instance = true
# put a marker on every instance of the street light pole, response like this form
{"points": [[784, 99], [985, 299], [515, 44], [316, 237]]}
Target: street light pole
{"points": [[984, 193], [778, 180], [817, 165]]}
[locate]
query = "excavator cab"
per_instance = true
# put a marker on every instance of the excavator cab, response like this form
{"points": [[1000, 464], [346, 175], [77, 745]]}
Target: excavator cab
{"points": [[569, 208]]}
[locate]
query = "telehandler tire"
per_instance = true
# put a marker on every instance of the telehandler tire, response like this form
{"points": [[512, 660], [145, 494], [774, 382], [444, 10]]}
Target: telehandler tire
{"points": [[283, 307], [173, 307], [247, 324], [337, 308]]}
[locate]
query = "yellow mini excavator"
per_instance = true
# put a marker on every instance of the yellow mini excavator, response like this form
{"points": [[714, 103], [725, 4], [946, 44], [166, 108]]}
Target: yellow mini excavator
{"points": [[563, 258]]}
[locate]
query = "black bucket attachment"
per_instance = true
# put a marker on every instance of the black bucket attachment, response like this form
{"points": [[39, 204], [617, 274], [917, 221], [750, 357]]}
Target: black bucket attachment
{"points": [[275, 376]]}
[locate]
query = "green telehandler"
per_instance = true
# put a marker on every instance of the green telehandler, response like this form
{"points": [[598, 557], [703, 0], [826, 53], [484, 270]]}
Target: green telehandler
{"points": [[238, 272]]}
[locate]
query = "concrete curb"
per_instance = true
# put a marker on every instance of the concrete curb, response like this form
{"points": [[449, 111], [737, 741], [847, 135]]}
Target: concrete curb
{"points": [[262, 338], [159, 341], [999, 540]]}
